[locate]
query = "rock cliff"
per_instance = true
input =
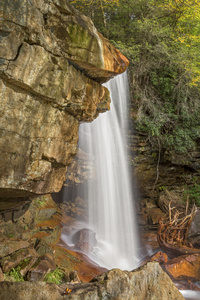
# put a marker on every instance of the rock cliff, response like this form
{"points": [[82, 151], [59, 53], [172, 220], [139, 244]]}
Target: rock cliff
{"points": [[52, 64]]}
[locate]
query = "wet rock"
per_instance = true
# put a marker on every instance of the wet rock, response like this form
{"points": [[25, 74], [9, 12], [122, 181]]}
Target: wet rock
{"points": [[159, 257], [146, 283], [80, 169], [24, 257], [77, 262], [187, 285], [149, 241], [28, 291], [84, 239], [44, 265], [184, 267], [9, 246]]}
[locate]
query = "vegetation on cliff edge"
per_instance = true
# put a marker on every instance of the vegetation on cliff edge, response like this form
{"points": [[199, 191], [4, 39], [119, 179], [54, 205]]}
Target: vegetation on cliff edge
{"points": [[162, 41]]}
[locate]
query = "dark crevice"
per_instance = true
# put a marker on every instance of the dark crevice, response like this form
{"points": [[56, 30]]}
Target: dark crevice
{"points": [[18, 51], [53, 161], [99, 80]]}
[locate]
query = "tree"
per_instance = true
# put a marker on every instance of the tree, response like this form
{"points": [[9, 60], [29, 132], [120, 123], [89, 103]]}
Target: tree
{"points": [[162, 41]]}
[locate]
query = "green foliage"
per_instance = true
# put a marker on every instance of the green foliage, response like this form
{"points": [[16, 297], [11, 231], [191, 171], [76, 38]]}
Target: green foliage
{"points": [[162, 188], [41, 201], [194, 194], [162, 41], [14, 275], [56, 276]]}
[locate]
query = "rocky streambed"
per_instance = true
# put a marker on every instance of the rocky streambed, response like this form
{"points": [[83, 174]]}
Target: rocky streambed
{"points": [[34, 263]]}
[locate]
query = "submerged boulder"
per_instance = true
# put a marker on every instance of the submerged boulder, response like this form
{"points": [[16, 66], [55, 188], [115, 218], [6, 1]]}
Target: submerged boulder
{"points": [[52, 63]]}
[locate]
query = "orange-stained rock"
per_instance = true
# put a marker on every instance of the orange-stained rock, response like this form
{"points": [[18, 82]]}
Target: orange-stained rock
{"points": [[114, 60], [146, 283], [159, 257], [184, 267], [78, 262]]}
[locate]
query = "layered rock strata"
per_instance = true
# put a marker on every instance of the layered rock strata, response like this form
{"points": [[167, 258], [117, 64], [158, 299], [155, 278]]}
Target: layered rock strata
{"points": [[52, 61]]}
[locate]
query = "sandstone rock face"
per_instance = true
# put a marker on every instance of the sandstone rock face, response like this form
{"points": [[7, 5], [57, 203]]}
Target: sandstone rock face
{"points": [[52, 61]]}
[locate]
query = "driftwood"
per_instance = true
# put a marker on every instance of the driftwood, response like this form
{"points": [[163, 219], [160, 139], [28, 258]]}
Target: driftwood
{"points": [[172, 232]]}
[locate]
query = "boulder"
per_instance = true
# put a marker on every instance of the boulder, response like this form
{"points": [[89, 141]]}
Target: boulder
{"points": [[52, 63], [84, 240], [28, 291], [148, 282], [171, 198]]}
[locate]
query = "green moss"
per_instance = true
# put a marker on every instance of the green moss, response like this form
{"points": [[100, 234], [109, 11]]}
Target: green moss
{"points": [[57, 276], [24, 263], [79, 36], [14, 275], [84, 43]]}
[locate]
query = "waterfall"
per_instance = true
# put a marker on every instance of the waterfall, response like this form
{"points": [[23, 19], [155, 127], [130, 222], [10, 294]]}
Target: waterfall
{"points": [[110, 196]]}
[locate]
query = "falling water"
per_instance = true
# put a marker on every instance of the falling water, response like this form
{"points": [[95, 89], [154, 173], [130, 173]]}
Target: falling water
{"points": [[110, 196]]}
